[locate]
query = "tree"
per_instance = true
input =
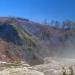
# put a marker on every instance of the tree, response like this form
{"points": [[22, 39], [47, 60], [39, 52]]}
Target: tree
{"points": [[57, 24], [68, 24], [45, 21], [52, 23]]}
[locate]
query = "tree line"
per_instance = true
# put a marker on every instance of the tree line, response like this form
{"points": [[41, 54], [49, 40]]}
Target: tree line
{"points": [[67, 24]]}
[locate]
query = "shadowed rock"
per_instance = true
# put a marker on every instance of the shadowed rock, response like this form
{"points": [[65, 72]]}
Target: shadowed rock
{"points": [[9, 33]]}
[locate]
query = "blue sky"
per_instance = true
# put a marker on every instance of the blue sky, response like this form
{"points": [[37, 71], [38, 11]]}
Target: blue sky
{"points": [[38, 10]]}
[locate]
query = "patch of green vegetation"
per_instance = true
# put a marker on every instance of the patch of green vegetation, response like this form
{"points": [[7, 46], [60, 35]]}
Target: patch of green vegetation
{"points": [[26, 39], [28, 44], [68, 71], [22, 34]]}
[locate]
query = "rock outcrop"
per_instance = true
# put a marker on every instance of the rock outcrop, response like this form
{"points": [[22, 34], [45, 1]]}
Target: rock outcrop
{"points": [[20, 71]]}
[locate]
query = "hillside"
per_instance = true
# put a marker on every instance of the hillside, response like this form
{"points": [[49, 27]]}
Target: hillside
{"points": [[45, 47], [22, 39], [16, 44]]}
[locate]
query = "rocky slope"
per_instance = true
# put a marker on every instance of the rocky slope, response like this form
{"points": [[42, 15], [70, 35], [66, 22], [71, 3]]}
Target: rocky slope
{"points": [[34, 44], [15, 43], [27, 39], [17, 69], [42, 40]]}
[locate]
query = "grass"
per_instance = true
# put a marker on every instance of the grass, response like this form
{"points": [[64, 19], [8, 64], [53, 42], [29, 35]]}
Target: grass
{"points": [[25, 37]]}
